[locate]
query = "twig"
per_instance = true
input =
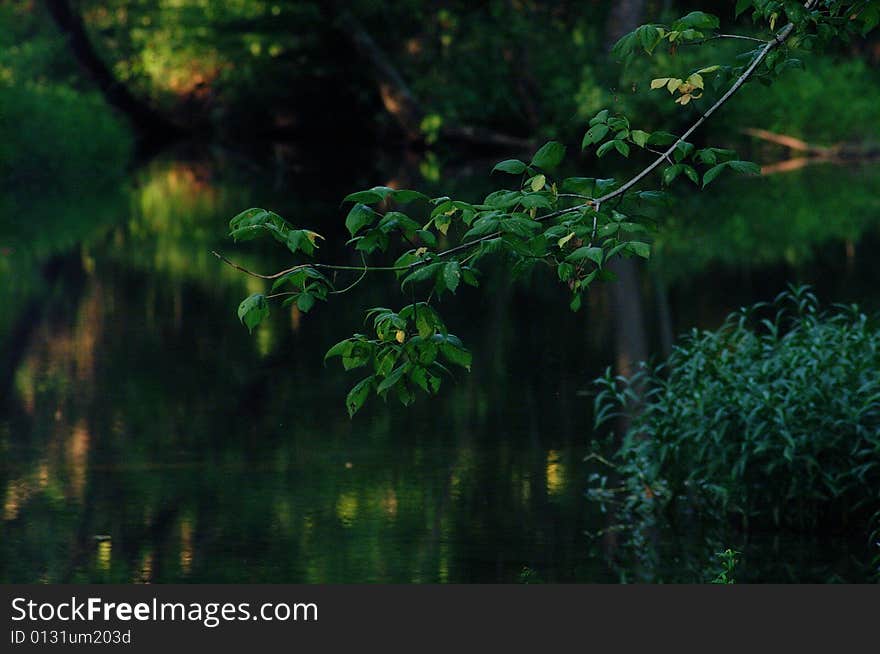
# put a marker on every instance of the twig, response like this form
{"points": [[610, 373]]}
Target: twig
{"points": [[738, 37], [769, 46]]}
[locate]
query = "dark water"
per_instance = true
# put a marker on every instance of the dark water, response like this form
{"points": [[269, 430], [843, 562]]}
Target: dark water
{"points": [[145, 436]]}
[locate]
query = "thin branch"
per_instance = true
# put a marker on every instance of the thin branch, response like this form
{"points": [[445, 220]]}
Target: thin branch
{"points": [[355, 282], [769, 46], [323, 266], [253, 274], [738, 37]]}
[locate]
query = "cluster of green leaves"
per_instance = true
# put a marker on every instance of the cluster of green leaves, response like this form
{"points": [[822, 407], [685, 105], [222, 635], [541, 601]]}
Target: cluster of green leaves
{"points": [[406, 353], [728, 561], [305, 283], [695, 27], [613, 132], [833, 19], [253, 223], [576, 225], [774, 418], [813, 25]]}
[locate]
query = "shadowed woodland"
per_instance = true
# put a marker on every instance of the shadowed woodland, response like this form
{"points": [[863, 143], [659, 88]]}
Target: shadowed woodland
{"points": [[146, 436]]}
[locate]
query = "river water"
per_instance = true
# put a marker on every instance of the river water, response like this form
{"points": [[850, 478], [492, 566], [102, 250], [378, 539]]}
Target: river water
{"points": [[145, 436]]}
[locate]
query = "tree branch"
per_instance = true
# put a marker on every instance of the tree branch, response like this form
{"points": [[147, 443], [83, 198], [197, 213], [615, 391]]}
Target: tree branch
{"points": [[780, 38]]}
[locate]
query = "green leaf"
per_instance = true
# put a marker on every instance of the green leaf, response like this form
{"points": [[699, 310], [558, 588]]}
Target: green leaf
{"points": [[745, 167], [712, 173], [359, 217], [519, 225], [537, 182], [393, 378], [342, 348], [422, 273], [427, 237], [621, 147], [469, 277], [662, 138], [427, 381], [594, 135], [397, 220], [305, 301], [682, 150], [253, 310], [301, 240], [586, 252], [549, 155], [428, 322], [741, 6], [385, 360], [452, 275], [452, 350], [604, 148], [512, 166], [404, 196], [639, 137], [535, 201], [249, 217], [671, 172], [697, 20], [503, 199], [482, 226], [359, 355], [640, 249], [626, 45], [600, 117], [579, 185], [372, 196], [605, 185], [358, 395]]}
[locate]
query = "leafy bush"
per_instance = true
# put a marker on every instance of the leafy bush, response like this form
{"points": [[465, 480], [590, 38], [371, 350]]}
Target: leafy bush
{"points": [[774, 420], [51, 135]]}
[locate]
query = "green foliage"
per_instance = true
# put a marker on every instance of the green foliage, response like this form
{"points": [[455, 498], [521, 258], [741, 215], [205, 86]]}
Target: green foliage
{"points": [[253, 310], [773, 419], [52, 134], [406, 353], [576, 225], [55, 134], [727, 561]]}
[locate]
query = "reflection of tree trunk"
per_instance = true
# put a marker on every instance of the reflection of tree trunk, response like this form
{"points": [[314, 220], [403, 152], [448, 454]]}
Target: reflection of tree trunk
{"points": [[145, 119], [399, 101], [627, 313], [631, 343], [664, 315]]}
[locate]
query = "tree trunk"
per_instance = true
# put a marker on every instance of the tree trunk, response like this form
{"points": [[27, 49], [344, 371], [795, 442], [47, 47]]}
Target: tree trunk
{"points": [[631, 342], [399, 101], [143, 117]]}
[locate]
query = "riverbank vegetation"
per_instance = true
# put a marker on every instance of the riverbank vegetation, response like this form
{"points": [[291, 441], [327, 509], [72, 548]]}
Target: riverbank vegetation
{"points": [[770, 422]]}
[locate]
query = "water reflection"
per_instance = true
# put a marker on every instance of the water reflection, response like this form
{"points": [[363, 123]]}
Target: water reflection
{"points": [[147, 438]]}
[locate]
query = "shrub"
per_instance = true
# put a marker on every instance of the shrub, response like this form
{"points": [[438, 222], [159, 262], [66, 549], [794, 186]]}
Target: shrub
{"points": [[53, 136], [773, 419]]}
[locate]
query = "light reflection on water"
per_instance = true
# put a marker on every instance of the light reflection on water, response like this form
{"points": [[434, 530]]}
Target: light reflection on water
{"points": [[146, 437]]}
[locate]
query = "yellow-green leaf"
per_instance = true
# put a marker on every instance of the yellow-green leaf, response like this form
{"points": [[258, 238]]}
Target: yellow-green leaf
{"points": [[538, 182]]}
